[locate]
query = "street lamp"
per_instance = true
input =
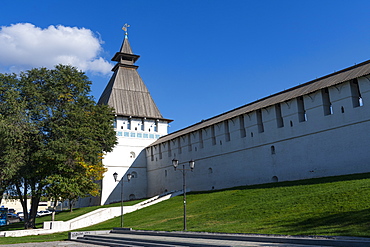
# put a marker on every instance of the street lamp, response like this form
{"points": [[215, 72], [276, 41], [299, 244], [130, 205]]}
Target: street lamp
{"points": [[129, 176], [175, 163]]}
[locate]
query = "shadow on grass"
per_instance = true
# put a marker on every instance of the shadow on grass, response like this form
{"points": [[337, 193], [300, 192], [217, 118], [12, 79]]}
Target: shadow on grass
{"points": [[294, 183], [344, 224], [18, 226]]}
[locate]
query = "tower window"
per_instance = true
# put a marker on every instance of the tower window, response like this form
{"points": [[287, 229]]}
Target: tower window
{"points": [[115, 123], [142, 125], [129, 124]]}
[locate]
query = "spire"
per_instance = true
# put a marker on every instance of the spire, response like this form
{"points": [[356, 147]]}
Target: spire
{"points": [[126, 48], [126, 91], [125, 56]]}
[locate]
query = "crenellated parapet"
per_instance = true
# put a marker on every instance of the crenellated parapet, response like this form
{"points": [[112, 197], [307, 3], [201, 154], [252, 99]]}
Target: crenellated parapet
{"points": [[316, 129]]}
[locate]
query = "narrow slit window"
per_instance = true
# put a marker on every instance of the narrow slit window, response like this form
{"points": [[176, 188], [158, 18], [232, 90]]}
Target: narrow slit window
{"points": [[259, 121], [179, 145], [190, 148], [169, 150], [151, 154], [213, 135], [227, 130], [243, 133], [326, 103], [279, 117], [356, 94], [201, 139], [302, 116], [160, 151], [273, 150]]}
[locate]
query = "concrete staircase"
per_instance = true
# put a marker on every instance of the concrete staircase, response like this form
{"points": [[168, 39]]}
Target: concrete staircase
{"points": [[92, 218], [127, 237], [135, 238]]}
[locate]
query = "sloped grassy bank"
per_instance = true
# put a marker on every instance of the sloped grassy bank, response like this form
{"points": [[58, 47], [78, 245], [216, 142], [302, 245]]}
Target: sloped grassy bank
{"points": [[325, 206], [337, 206]]}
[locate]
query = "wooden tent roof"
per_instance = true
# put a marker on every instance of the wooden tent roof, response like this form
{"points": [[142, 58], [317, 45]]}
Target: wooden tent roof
{"points": [[126, 91]]}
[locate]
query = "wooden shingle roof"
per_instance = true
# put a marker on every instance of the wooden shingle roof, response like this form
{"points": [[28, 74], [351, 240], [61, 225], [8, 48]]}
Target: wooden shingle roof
{"points": [[347, 74], [126, 91]]}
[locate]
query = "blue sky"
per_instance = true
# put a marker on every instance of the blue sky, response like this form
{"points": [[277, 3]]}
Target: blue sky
{"points": [[199, 58]]}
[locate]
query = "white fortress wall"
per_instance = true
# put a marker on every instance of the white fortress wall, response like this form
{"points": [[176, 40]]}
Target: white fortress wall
{"points": [[323, 133], [133, 134]]}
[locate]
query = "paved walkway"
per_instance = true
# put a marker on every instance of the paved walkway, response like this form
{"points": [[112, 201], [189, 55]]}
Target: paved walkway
{"points": [[205, 242], [52, 244], [181, 239]]}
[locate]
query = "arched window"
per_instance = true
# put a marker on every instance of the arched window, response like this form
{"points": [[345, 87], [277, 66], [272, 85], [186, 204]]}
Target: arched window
{"points": [[133, 174], [272, 149], [210, 170], [132, 197]]}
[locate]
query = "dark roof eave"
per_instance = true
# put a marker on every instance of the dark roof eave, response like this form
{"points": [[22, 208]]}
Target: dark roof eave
{"points": [[124, 65], [118, 56], [154, 118]]}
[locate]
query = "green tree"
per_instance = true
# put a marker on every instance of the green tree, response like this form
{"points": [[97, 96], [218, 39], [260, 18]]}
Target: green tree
{"points": [[13, 129], [66, 132]]}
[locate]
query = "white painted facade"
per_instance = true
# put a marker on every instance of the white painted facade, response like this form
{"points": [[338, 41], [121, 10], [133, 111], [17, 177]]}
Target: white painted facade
{"points": [[133, 134]]}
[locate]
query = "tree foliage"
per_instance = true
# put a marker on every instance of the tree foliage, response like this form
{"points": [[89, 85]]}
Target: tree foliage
{"points": [[52, 135]]}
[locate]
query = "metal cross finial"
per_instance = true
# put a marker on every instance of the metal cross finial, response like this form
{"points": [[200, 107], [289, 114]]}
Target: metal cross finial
{"points": [[125, 27]]}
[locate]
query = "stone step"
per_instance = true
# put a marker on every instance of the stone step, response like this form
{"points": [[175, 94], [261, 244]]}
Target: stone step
{"points": [[114, 240]]}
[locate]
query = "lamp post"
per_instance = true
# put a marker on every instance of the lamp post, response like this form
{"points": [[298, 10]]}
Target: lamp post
{"points": [[129, 176], [175, 163]]}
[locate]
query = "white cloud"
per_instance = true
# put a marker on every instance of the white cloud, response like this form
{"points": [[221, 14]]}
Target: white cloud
{"points": [[25, 46]]}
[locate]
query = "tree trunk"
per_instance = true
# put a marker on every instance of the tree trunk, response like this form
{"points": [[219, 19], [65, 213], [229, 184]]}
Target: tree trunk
{"points": [[54, 208], [23, 199], [31, 224]]}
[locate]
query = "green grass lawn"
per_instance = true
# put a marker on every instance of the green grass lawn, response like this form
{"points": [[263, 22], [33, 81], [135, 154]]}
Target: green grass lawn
{"points": [[327, 206]]}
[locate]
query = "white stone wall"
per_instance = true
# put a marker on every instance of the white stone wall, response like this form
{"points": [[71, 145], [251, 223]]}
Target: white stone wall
{"points": [[315, 136], [133, 134]]}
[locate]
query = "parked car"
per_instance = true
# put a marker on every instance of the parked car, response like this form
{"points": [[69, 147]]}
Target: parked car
{"points": [[20, 215], [12, 218], [43, 213]]}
